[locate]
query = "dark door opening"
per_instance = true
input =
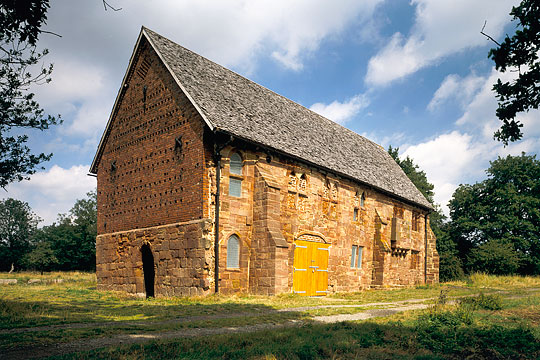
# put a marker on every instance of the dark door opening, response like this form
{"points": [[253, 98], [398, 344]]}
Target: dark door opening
{"points": [[148, 270]]}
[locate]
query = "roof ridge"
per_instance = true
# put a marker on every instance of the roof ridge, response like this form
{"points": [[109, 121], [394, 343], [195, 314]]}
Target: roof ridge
{"points": [[234, 104], [332, 122]]}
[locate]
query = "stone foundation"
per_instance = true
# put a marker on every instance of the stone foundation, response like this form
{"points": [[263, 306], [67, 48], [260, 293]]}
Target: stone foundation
{"points": [[182, 253]]}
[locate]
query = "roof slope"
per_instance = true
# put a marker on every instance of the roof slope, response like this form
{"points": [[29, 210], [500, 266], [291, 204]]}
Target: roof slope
{"points": [[231, 103]]}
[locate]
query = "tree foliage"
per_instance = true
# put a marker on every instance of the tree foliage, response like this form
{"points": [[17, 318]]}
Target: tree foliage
{"points": [[17, 225], [413, 172], [501, 212], [41, 257], [73, 236], [20, 27], [520, 51]]}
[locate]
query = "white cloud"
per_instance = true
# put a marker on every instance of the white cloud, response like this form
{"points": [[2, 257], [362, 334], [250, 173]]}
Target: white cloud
{"points": [[341, 112], [53, 191], [463, 155], [446, 159], [441, 28], [454, 87], [81, 93], [235, 32]]}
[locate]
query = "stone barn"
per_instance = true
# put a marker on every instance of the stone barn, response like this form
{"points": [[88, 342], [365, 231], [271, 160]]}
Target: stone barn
{"points": [[209, 182]]}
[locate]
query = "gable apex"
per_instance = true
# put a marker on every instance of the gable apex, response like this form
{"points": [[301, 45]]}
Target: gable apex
{"points": [[143, 34], [234, 105]]}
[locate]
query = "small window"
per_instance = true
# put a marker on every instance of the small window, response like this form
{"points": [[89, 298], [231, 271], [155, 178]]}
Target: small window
{"points": [[355, 215], [414, 259], [362, 199], [356, 256], [415, 221], [235, 187], [233, 252], [236, 164]]}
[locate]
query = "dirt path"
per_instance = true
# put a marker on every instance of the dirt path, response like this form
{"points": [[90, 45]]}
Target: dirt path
{"points": [[390, 308]]}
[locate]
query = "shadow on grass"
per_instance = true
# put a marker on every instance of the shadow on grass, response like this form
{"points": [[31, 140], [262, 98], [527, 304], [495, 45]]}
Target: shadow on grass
{"points": [[342, 340], [83, 309]]}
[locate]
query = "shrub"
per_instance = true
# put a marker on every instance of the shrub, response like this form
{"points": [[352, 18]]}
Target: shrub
{"points": [[486, 302]]}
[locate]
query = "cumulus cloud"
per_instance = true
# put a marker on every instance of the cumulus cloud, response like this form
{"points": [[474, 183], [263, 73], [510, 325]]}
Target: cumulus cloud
{"points": [[235, 32], [463, 155], [441, 28], [54, 191], [341, 112], [455, 87]]}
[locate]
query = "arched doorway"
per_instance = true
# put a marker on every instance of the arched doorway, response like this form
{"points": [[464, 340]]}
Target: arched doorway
{"points": [[148, 270]]}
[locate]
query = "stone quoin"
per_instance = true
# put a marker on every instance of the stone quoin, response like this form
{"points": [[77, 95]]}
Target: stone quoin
{"points": [[304, 205]]}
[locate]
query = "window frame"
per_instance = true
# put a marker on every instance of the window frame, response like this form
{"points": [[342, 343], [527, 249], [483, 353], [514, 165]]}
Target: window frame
{"points": [[357, 252], [236, 174]]}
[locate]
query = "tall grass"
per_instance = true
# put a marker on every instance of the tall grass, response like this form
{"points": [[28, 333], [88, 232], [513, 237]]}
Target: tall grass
{"points": [[482, 280]]}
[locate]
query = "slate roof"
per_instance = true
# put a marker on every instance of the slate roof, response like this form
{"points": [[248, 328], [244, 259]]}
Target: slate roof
{"points": [[233, 104]]}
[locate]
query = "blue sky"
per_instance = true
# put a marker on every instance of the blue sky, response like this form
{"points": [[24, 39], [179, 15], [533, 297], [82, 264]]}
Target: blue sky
{"points": [[414, 75]]}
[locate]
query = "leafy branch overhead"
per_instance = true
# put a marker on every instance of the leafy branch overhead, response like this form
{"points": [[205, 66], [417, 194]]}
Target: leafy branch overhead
{"points": [[20, 27], [519, 51]]}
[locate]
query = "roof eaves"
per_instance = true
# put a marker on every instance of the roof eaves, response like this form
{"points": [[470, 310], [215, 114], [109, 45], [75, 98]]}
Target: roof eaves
{"points": [[206, 120], [387, 192]]}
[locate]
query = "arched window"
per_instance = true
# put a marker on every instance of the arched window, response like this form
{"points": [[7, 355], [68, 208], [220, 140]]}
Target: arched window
{"points": [[235, 180], [233, 252], [236, 164], [363, 199]]}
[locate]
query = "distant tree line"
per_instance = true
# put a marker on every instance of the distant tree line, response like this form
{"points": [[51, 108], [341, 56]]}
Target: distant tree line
{"points": [[494, 225], [67, 244]]}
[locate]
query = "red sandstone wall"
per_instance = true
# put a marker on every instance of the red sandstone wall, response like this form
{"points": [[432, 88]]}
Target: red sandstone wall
{"points": [[325, 205], [183, 259], [154, 182]]}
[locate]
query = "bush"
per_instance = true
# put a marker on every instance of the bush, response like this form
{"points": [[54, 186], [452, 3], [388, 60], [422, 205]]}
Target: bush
{"points": [[486, 302]]}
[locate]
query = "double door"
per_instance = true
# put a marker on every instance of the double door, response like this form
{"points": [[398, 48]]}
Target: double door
{"points": [[310, 269]]}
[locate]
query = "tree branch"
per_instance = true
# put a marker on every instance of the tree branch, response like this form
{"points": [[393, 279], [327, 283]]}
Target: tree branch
{"points": [[486, 35], [107, 5]]}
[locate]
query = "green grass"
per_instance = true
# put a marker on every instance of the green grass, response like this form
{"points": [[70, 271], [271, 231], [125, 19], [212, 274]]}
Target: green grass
{"points": [[492, 315], [442, 332]]}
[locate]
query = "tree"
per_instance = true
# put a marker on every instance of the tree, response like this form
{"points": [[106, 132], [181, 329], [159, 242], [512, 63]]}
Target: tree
{"points": [[20, 27], [413, 172], [503, 209], [73, 237], [41, 258], [494, 257], [17, 225], [519, 51]]}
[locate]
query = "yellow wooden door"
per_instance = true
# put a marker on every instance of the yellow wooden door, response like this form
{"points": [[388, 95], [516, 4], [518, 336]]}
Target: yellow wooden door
{"points": [[320, 281], [310, 268]]}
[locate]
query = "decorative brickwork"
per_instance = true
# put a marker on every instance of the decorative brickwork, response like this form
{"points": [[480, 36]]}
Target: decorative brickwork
{"points": [[154, 180]]}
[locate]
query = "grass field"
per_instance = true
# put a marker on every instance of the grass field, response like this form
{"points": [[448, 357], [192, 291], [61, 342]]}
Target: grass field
{"points": [[503, 322]]}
